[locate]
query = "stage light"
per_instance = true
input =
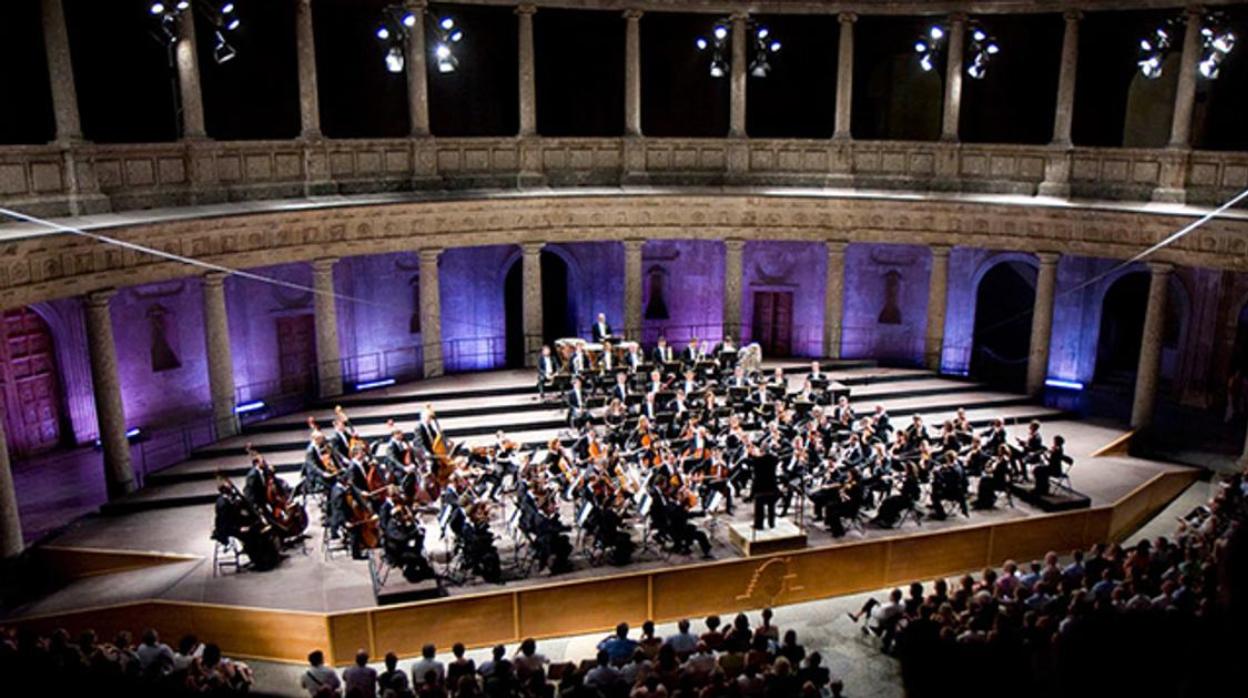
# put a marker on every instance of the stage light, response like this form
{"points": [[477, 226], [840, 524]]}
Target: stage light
{"points": [[397, 25], [381, 383], [926, 63], [223, 51], [157, 8], [936, 33], [980, 52], [254, 406], [395, 60], [1217, 42], [1153, 50], [979, 35], [717, 44], [1060, 383], [233, 24], [920, 46]]}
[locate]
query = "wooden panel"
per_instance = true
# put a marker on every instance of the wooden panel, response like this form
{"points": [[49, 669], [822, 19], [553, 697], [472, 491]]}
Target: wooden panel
{"points": [[845, 569], [706, 589], [583, 607], [1033, 537], [476, 621], [259, 633], [349, 632], [921, 557]]}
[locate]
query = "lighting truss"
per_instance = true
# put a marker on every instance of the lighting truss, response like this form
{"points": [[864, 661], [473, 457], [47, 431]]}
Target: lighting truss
{"points": [[222, 15], [762, 44]]}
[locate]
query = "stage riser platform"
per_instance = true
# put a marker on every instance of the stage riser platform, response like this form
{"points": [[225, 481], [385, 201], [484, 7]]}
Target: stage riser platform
{"points": [[505, 615]]}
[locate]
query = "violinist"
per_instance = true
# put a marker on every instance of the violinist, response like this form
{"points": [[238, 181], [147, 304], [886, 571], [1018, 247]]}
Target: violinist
{"points": [[655, 384], [715, 479], [615, 416]]}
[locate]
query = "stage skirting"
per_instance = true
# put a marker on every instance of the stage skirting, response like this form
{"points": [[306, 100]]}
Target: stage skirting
{"points": [[562, 608]]}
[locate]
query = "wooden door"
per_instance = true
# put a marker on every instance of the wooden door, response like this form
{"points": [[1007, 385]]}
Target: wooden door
{"points": [[772, 326], [296, 350], [28, 382]]}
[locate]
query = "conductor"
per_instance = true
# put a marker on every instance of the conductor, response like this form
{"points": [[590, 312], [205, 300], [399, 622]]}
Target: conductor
{"points": [[765, 490]]}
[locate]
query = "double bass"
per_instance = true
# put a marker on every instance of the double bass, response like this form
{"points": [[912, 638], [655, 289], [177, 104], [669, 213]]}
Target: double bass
{"points": [[288, 517]]}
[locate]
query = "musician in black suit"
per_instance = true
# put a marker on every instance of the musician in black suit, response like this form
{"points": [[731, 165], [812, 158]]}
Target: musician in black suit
{"points": [[547, 367], [1051, 465], [602, 330], [620, 391], [765, 490], [576, 401], [691, 354], [429, 429], [663, 353], [635, 358]]}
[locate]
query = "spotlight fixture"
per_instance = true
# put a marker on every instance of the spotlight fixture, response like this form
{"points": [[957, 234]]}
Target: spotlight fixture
{"points": [[980, 50], [1156, 46], [762, 44], [395, 30], [223, 16], [1217, 42]]}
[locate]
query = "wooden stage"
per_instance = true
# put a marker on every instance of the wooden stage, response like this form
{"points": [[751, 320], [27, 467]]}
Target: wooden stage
{"points": [[103, 573]]}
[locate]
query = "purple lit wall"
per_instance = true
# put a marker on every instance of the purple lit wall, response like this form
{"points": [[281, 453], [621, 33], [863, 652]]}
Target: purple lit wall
{"points": [[684, 280], [885, 301], [474, 326], [69, 334], [799, 268], [375, 333], [254, 308], [967, 267], [595, 282], [159, 332]]}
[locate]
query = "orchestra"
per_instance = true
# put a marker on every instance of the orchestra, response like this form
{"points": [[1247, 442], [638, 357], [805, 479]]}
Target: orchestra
{"points": [[658, 445]]}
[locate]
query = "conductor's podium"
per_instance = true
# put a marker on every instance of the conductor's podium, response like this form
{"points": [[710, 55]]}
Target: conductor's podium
{"points": [[785, 536]]}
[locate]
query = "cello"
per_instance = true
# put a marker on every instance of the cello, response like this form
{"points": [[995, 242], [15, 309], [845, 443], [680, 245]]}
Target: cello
{"points": [[287, 516]]}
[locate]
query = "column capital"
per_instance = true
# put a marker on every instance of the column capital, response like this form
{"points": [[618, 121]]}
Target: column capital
{"points": [[1160, 268], [836, 246], [410, 4], [634, 243], [957, 18], [526, 9], [324, 264], [847, 17], [1046, 258], [734, 244], [100, 298], [739, 16], [633, 14], [530, 249], [215, 278], [940, 250], [430, 254], [1194, 12], [1072, 14]]}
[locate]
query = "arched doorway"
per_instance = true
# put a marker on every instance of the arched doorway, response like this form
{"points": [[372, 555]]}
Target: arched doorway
{"points": [[1002, 336], [1122, 328], [557, 320], [29, 384]]}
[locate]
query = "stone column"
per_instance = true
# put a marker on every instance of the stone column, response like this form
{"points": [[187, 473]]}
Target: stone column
{"points": [[1185, 93], [109, 409], [953, 77], [531, 301], [10, 522], [937, 293], [632, 73], [328, 352], [1042, 322], [188, 78], [834, 299], [733, 248], [220, 356], [845, 76], [1064, 116], [528, 81], [417, 74], [633, 275], [431, 312], [1150, 346], [736, 110], [1243, 458], [305, 50], [61, 72]]}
